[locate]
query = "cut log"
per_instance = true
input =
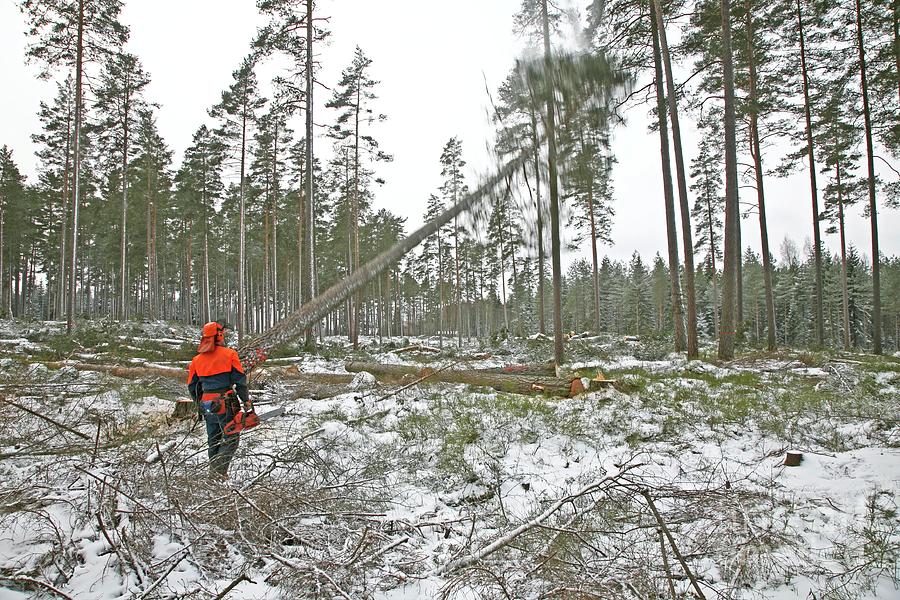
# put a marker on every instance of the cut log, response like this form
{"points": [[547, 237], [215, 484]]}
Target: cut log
{"points": [[124, 372], [547, 369], [504, 382], [294, 373], [417, 348]]}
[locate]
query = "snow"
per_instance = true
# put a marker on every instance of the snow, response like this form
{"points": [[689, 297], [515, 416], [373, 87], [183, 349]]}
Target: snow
{"points": [[440, 473]]}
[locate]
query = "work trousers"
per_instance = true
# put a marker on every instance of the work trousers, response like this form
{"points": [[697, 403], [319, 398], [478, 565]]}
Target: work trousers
{"points": [[221, 447]]}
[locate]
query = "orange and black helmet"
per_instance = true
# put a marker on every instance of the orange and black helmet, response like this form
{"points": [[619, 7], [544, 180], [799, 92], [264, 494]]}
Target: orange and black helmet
{"points": [[212, 335]]}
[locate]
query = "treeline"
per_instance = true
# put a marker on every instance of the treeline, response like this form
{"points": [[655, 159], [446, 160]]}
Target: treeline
{"points": [[254, 221]]}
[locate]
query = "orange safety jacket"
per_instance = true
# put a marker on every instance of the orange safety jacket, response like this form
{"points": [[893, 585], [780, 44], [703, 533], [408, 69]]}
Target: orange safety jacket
{"points": [[217, 371]]}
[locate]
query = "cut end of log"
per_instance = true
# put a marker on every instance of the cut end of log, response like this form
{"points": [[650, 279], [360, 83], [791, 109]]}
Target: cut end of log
{"points": [[576, 388], [793, 459]]}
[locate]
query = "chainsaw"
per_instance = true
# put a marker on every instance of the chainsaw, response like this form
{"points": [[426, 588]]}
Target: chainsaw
{"points": [[247, 420]]}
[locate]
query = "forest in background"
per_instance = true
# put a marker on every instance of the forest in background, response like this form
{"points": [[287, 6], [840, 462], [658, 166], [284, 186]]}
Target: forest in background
{"points": [[253, 223]]}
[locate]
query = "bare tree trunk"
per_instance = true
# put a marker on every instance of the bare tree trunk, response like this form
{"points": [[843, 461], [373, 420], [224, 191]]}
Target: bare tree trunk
{"points": [[188, 277], [873, 205], [845, 297], [756, 152], [732, 254], [668, 194], [120, 305], [542, 328], [242, 309], [712, 260], [64, 220], [79, 104], [275, 310], [686, 229], [458, 281], [2, 274], [558, 351], [205, 292], [440, 282], [817, 237], [515, 273], [309, 238], [355, 217]]}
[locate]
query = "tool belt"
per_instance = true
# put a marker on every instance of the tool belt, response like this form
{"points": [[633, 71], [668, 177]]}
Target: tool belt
{"points": [[220, 403]]}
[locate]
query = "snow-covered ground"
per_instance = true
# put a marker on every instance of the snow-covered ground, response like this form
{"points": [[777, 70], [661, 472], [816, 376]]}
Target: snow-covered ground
{"points": [[445, 491]]}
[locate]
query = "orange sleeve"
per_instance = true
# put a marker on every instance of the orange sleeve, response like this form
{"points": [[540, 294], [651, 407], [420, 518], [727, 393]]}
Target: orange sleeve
{"points": [[190, 372], [236, 362]]}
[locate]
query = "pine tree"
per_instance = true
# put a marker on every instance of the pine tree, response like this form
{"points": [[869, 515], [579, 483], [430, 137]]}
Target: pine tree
{"points": [[118, 101], [72, 34], [454, 188], [686, 229], [589, 190], [12, 203], [732, 225], [55, 175], [352, 98], [237, 113], [200, 188]]}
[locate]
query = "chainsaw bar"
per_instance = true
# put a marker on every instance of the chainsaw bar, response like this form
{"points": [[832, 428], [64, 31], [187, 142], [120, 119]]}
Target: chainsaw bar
{"points": [[275, 412]]}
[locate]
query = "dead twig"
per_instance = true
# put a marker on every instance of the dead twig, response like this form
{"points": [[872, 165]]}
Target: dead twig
{"points": [[46, 418], [314, 569], [678, 555], [512, 535], [240, 579], [37, 582]]}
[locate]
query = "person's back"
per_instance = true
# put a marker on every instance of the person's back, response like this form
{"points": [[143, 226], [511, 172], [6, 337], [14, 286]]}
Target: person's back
{"points": [[216, 382]]}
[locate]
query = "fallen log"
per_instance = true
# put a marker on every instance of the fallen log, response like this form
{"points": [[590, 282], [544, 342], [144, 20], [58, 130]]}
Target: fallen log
{"points": [[294, 373], [124, 372], [417, 348], [504, 382], [547, 369]]}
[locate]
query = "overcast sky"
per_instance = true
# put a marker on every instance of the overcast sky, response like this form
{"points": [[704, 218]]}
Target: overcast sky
{"points": [[432, 59]]}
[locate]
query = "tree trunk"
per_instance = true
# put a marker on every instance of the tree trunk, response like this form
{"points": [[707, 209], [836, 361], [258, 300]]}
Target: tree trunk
{"points": [[294, 325], [458, 280], [712, 261], [542, 328], [79, 58], [274, 308], [309, 238], [120, 305], [873, 205], [64, 219], [756, 153], [668, 194], [506, 382], [242, 309], [686, 229], [732, 254], [845, 296], [817, 237], [2, 274], [558, 352], [595, 279]]}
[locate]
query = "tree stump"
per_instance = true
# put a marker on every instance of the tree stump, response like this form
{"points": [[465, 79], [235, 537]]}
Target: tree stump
{"points": [[793, 459], [185, 409]]}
